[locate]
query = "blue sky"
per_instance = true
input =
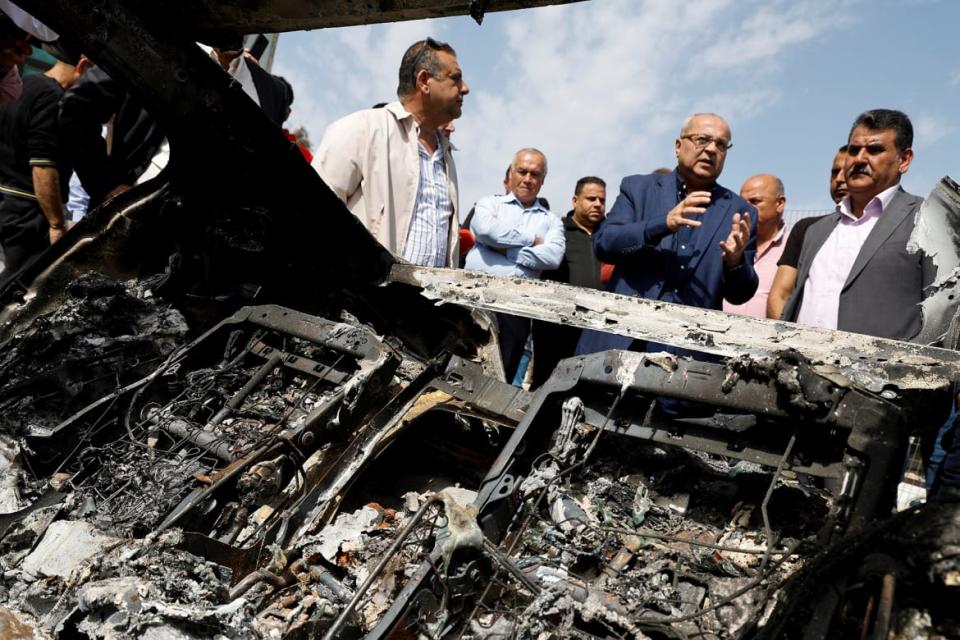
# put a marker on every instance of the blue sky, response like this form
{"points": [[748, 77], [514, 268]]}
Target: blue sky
{"points": [[603, 86]]}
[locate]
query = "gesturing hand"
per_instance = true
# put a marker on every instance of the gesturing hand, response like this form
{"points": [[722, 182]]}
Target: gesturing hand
{"points": [[733, 246], [695, 204]]}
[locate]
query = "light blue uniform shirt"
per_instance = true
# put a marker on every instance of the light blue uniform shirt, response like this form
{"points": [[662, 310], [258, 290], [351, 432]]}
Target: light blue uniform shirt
{"points": [[501, 222]]}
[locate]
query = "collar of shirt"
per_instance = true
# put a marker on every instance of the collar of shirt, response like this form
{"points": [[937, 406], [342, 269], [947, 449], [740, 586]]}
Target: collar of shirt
{"points": [[437, 155], [683, 191], [874, 208], [396, 108], [777, 240], [510, 198]]}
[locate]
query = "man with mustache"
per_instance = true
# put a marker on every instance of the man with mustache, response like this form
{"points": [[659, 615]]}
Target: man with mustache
{"points": [[393, 168], [786, 277], [679, 237], [855, 273]]}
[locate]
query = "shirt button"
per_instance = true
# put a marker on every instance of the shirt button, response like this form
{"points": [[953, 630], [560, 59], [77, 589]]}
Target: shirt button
{"points": [[683, 246], [683, 266]]}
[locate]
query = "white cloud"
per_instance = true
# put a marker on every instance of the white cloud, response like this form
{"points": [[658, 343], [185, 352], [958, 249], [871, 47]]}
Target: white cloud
{"points": [[337, 71], [769, 31], [604, 94], [601, 88], [928, 129]]}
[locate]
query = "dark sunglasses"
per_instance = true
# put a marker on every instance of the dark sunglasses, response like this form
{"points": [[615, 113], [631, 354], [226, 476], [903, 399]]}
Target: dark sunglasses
{"points": [[428, 43]]}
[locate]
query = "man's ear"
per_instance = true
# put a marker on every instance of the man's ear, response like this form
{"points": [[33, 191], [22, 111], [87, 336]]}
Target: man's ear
{"points": [[422, 76], [84, 65], [905, 159]]}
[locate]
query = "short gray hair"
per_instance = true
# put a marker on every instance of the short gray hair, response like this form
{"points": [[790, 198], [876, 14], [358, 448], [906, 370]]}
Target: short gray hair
{"points": [[533, 151], [779, 184]]}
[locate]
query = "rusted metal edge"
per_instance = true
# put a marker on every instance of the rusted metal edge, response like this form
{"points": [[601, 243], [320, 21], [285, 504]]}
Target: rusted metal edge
{"points": [[874, 363]]}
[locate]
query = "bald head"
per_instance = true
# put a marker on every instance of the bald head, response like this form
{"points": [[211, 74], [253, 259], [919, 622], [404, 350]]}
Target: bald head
{"points": [[765, 192], [691, 123], [702, 149]]}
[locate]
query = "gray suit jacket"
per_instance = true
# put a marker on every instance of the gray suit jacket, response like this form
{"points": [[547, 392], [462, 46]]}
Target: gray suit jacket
{"points": [[882, 294]]}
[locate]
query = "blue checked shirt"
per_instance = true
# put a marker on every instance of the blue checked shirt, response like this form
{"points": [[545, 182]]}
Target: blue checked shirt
{"points": [[501, 222], [429, 232]]}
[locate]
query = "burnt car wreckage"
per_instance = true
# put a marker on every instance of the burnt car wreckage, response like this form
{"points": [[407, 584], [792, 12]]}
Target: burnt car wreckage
{"points": [[228, 412]]}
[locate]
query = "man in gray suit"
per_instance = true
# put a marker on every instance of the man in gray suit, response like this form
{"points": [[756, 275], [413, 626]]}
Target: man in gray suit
{"points": [[855, 273]]}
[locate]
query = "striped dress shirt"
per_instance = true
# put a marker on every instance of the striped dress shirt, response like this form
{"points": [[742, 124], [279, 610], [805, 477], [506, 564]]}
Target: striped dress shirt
{"points": [[426, 243]]}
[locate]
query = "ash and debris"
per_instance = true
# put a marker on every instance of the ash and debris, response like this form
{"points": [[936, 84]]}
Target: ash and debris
{"points": [[18, 487], [339, 558], [174, 446], [101, 335], [623, 532], [919, 548], [73, 353], [611, 536], [79, 580]]}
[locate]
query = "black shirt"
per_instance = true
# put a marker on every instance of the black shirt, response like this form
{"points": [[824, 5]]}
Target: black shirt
{"points": [[85, 108], [580, 266], [29, 137], [791, 252]]}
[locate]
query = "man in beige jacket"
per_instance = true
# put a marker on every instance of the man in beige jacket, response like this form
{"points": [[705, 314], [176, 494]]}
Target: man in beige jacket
{"points": [[392, 167]]}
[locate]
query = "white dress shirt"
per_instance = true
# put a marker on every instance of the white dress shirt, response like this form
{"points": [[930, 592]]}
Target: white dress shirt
{"points": [[831, 266]]}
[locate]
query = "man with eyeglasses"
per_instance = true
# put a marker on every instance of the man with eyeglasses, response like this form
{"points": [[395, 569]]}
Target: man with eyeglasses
{"points": [[393, 168], [679, 237], [855, 272]]}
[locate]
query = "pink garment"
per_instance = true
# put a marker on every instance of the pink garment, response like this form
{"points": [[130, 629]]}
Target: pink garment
{"points": [[832, 264], [765, 264], [11, 85]]}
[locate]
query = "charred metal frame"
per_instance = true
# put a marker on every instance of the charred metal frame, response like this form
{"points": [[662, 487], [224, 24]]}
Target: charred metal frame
{"points": [[364, 431], [871, 430], [776, 412], [461, 379], [860, 395], [914, 371], [361, 382]]}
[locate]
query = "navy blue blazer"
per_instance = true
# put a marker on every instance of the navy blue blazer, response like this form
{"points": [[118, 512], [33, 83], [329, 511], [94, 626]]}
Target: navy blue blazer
{"points": [[650, 262]]}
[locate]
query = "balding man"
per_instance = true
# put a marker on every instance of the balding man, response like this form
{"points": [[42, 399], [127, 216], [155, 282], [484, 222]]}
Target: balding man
{"points": [[516, 236], [679, 237], [393, 168], [765, 193]]}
